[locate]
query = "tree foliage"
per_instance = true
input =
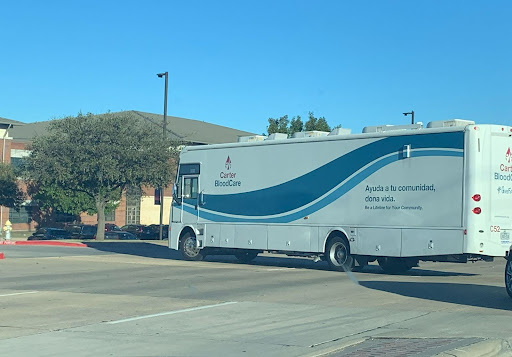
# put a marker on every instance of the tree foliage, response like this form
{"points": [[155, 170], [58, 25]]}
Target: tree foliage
{"points": [[278, 125], [283, 125], [10, 193], [56, 198], [92, 158], [314, 123]]}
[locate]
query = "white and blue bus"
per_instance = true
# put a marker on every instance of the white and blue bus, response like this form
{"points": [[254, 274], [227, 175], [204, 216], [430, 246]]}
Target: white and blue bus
{"points": [[395, 194]]}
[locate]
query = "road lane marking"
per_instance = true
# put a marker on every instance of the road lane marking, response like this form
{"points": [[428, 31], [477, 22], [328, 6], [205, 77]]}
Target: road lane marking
{"points": [[26, 292], [171, 312]]}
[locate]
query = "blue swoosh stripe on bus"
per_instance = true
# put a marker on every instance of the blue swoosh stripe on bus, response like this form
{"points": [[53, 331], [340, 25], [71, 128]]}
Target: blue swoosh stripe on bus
{"points": [[325, 201], [290, 195]]}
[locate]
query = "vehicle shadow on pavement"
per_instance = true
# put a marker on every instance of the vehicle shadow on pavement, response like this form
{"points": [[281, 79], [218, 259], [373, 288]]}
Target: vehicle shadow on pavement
{"points": [[151, 250], [375, 269], [140, 249], [486, 296]]}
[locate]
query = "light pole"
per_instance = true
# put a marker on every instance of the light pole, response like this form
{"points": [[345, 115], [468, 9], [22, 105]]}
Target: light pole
{"points": [[164, 126], [412, 115]]}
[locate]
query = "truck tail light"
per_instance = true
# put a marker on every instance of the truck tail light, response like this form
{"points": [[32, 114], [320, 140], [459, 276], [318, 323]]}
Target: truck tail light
{"points": [[476, 197], [477, 210]]}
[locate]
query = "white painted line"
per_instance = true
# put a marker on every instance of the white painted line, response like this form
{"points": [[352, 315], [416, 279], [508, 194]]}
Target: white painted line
{"points": [[171, 312], [278, 269], [27, 292]]}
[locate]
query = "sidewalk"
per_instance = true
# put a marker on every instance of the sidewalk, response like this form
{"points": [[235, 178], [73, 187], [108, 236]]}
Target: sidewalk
{"points": [[20, 238]]}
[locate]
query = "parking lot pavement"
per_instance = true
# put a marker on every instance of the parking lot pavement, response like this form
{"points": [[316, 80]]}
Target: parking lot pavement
{"points": [[143, 299]]}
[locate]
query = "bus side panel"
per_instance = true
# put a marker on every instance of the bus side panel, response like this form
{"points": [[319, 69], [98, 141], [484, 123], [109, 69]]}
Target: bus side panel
{"points": [[289, 237], [426, 242], [251, 236], [379, 242]]}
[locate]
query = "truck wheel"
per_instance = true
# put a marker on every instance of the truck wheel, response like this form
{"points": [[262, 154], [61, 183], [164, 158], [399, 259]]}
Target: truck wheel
{"points": [[508, 277], [246, 256], [337, 254], [188, 247], [392, 265]]}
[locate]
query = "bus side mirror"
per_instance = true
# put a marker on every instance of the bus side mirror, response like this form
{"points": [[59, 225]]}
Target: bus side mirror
{"points": [[200, 200], [175, 197]]}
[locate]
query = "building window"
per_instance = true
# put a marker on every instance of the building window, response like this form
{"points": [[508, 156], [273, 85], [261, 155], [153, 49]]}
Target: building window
{"points": [[23, 216], [110, 216], [133, 195]]}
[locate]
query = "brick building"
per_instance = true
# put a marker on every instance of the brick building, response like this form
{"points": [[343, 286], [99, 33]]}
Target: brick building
{"points": [[135, 206]]}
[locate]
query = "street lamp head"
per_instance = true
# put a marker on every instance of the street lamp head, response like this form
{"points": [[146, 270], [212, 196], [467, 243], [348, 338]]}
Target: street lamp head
{"points": [[160, 75]]}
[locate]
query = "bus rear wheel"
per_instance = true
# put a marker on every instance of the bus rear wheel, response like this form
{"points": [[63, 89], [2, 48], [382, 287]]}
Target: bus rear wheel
{"points": [[188, 247], [392, 265], [508, 277], [337, 254]]}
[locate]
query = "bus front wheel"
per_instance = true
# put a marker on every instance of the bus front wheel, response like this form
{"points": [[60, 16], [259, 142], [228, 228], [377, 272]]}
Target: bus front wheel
{"points": [[188, 247]]}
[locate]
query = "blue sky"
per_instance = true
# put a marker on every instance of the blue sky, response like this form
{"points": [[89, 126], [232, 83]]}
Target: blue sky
{"points": [[237, 63]]}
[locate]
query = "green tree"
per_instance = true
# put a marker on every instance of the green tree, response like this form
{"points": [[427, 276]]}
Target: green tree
{"points": [[273, 126], [52, 197], [278, 125], [283, 125], [322, 125], [10, 193], [99, 157], [314, 123], [296, 125]]}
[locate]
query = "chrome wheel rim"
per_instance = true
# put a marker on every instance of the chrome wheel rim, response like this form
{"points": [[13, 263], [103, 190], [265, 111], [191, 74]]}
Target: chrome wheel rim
{"points": [[190, 247], [338, 254]]}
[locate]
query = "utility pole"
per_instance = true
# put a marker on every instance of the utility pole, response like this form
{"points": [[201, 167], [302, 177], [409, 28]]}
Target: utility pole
{"points": [[164, 126]]}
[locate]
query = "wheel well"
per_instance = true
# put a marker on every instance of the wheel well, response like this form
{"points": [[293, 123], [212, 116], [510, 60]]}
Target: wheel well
{"points": [[185, 231], [336, 233]]}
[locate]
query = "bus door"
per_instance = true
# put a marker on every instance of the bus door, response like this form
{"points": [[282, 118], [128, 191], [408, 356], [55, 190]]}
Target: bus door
{"points": [[185, 205]]}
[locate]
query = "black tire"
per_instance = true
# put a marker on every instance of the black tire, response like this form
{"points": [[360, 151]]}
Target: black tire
{"points": [[337, 254], [392, 265], [508, 277], [246, 256], [188, 247]]}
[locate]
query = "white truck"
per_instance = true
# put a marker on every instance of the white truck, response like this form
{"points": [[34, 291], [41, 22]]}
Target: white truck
{"points": [[395, 194]]}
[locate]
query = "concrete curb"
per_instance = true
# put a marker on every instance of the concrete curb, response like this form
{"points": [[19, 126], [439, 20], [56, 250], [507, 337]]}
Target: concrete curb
{"points": [[44, 242]]}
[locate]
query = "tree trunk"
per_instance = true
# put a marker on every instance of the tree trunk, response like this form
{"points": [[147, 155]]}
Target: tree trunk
{"points": [[100, 207]]}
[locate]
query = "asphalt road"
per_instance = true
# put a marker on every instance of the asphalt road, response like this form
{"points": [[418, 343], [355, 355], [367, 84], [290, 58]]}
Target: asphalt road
{"points": [[141, 299]]}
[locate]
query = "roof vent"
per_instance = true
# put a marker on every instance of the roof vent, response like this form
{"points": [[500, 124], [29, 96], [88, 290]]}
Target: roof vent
{"points": [[277, 136], [251, 138], [449, 123], [340, 131], [310, 134], [383, 128]]}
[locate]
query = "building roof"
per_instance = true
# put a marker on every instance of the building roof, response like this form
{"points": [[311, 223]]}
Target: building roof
{"points": [[187, 130], [10, 121]]}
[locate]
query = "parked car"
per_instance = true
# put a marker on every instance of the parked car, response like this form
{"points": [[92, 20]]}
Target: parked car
{"points": [[156, 229], [141, 231], [109, 227], [120, 235], [50, 233], [81, 231]]}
